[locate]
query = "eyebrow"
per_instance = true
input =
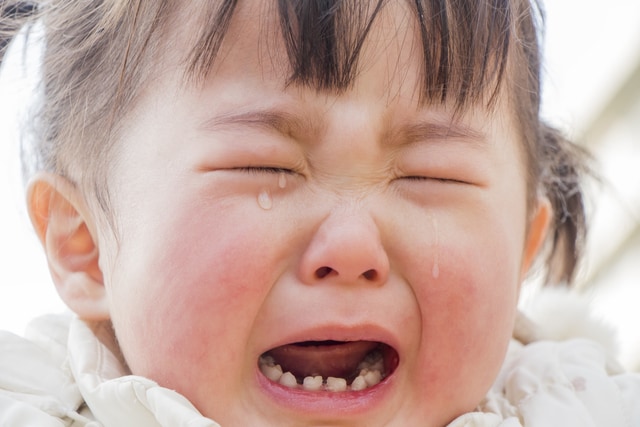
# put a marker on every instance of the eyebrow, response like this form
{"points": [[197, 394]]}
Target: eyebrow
{"points": [[294, 125], [279, 121], [437, 131]]}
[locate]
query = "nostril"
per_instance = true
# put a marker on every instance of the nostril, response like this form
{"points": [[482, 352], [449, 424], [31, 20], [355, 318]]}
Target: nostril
{"points": [[323, 272], [371, 275]]}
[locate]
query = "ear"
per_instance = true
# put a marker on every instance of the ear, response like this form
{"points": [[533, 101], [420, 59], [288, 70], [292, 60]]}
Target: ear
{"points": [[537, 232], [63, 223]]}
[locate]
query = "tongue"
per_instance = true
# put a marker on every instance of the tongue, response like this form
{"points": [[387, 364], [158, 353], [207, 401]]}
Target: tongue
{"points": [[326, 358]]}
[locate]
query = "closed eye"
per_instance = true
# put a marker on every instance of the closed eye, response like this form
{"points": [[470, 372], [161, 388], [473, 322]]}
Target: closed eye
{"points": [[256, 170], [436, 179]]}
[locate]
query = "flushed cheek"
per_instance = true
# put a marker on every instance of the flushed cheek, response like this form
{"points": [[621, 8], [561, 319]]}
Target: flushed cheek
{"points": [[186, 308], [467, 312]]}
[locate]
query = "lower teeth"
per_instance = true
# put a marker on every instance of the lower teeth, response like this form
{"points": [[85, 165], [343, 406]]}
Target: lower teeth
{"points": [[371, 373], [313, 383]]}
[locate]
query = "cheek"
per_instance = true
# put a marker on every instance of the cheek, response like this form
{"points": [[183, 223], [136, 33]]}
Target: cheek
{"points": [[468, 307], [473, 299], [186, 289]]}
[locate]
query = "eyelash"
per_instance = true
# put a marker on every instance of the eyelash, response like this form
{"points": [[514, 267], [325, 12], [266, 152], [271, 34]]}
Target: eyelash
{"points": [[427, 178], [256, 170]]}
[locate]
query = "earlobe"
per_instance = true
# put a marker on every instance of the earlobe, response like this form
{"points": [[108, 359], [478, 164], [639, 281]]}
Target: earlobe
{"points": [[64, 225], [537, 232]]}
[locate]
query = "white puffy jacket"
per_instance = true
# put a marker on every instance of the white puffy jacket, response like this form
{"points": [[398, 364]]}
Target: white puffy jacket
{"points": [[62, 375]]}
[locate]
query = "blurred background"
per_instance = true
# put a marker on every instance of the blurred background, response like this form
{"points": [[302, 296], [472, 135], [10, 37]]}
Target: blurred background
{"points": [[591, 90]]}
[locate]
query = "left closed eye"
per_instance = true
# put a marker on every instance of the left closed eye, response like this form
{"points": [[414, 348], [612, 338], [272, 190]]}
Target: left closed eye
{"points": [[432, 178]]}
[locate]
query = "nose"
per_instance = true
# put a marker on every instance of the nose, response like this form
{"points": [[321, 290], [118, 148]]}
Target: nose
{"points": [[346, 248]]}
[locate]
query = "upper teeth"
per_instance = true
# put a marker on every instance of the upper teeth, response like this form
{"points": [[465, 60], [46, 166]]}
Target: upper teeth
{"points": [[371, 373]]}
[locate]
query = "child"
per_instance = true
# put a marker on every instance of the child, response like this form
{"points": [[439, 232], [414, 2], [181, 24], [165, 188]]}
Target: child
{"points": [[300, 213]]}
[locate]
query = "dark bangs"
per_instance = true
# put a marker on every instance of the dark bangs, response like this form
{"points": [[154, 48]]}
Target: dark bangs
{"points": [[464, 44]]}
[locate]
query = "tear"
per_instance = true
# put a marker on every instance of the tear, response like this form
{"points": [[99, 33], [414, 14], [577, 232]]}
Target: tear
{"points": [[282, 180], [435, 268], [264, 200]]}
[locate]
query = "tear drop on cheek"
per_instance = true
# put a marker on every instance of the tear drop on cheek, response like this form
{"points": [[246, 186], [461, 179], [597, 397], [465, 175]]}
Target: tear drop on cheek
{"points": [[435, 270], [282, 180], [264, 200]]}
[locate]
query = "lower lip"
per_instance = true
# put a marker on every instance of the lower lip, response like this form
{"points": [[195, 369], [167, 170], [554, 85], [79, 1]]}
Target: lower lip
{"points": [[325, 403]]}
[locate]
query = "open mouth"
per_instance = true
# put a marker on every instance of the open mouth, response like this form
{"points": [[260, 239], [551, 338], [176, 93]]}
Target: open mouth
{"points": [[334, 366]]}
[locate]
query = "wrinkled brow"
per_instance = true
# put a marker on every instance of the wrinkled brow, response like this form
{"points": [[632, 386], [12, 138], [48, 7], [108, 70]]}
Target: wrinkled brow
{"points": [[279, 121], [432, 130], [294, 125]]}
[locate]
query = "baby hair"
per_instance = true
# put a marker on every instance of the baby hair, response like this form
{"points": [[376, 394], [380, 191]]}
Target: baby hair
{"points": [[98, 56]]}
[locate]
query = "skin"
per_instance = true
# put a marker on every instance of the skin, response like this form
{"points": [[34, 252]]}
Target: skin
{"points": [[203, 279]]}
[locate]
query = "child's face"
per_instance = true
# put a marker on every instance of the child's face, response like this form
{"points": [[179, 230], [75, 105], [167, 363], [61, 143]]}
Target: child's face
{"points": [[253, 217]]}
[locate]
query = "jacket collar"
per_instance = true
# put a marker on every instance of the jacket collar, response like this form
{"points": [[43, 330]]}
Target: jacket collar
{"points": [[116, 397]]}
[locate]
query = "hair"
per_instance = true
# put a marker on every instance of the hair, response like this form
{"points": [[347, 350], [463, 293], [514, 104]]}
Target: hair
{"points": [[99, 54]]}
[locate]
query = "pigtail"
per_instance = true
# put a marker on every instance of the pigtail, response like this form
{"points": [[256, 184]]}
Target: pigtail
{"points": [[13, 15], [565, 164]]}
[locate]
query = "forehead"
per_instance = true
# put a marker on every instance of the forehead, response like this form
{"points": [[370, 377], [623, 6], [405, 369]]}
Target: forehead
{"points": [[457, 52]]}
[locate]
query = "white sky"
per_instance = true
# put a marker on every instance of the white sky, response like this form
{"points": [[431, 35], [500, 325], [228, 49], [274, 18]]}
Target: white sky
{"points": [[589, 49]]}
